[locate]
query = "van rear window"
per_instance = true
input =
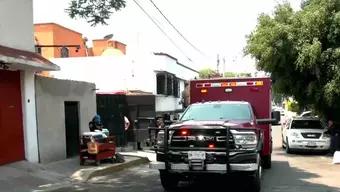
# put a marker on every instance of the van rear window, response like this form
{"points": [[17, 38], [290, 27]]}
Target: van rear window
{"points": [[306, 124]]}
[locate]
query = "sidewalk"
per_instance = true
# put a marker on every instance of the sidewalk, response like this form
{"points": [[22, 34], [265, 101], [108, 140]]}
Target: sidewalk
{"points": [[24, 176]]}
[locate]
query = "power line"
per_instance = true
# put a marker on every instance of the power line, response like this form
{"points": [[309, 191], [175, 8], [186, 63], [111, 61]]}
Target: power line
{"points": [[164, 33], [175, 28]]}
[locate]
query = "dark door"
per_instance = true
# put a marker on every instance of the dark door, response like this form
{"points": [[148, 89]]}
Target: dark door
{"points": [[11, 129], [72, 128]]}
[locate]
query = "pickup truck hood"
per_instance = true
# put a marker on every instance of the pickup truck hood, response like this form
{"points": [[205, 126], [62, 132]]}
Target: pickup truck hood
{"points": [[231, 123]]}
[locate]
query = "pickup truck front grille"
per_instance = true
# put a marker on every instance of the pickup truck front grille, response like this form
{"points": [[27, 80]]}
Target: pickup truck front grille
{"points": [[202, 139], [311, 135]]}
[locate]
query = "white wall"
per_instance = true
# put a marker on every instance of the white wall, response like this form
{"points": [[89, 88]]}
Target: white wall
{"points": [[51, 95], [29, 116], [16, 24]]}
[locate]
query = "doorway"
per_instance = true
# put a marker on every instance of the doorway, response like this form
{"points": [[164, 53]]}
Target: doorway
{"points": [[72, 128]]}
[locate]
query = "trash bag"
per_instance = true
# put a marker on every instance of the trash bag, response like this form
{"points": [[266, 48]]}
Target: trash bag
{"points": [[336, 157], [119, 158]]}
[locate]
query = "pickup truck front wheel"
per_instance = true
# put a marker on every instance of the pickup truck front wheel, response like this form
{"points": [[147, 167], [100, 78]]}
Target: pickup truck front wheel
{"points": [[169, 180], [267, 161], [255, 180]]}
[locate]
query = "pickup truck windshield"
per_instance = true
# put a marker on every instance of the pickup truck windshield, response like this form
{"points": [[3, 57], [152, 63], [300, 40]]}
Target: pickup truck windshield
{"points": [[223, 111]]}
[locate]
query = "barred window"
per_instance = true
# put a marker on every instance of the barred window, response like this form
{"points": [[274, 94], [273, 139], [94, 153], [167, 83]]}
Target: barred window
{"points": [[160, 83]]}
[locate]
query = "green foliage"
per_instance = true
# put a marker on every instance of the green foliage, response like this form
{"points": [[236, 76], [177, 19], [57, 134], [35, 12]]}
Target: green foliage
{"points": [[94, 11], [301, 51], [232, 74], [208, 73], [294, 107]]}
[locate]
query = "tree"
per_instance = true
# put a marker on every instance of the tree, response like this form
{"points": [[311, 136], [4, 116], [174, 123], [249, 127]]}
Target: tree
{"points": [[232, 74], [208, 73], [301, 51], [94, 11]]}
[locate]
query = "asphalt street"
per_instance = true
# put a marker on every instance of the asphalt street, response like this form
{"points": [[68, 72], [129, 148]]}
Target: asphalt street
{"points": [[289, 173]]}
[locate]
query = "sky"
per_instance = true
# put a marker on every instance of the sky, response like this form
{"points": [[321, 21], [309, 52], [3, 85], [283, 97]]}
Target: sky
{"points": [[215, 27]]}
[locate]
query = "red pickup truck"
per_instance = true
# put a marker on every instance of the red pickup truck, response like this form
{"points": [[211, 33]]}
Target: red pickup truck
{"points": [[225, 130]]}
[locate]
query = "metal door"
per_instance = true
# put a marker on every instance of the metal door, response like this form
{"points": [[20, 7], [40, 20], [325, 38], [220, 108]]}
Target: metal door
{"points": [[11, 129], [72, 128]]}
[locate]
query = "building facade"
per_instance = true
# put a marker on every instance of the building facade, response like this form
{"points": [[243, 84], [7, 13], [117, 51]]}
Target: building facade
{"points": [[158, 73], [18, 65]]}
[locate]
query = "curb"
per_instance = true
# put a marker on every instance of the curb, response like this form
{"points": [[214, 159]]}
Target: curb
{"points": [[85, 175]]}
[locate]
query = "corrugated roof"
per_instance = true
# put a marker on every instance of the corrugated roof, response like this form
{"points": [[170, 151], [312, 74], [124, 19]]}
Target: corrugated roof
{"points": [[122, 92], [26, 58]]}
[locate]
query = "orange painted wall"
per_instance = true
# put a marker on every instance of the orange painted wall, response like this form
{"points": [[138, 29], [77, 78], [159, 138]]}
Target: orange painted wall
{"points": [[100, 45], [64, 36], [44, 36], [54, 34]]}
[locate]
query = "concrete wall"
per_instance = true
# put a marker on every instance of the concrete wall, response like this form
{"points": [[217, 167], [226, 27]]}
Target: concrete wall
{"points": [[16, 24], [29, 116], [50, 97]]}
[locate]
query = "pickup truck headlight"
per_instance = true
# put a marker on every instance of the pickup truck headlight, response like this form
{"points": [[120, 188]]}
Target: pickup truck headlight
{"points": [[245, 139], [295, 135], [160, 137], [326, 136]]}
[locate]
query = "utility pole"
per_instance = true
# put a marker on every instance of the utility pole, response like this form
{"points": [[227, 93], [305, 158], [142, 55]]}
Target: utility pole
{"points": [[218, 64], [223, 66]]}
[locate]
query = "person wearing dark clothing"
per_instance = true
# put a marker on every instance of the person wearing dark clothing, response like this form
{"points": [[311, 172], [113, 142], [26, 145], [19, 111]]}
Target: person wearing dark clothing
{"points": [[185, 96], [334, 132], [95, 123]]}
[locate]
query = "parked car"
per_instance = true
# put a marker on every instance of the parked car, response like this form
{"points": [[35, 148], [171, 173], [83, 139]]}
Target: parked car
{"points": [[306, 134], [307, 114]]}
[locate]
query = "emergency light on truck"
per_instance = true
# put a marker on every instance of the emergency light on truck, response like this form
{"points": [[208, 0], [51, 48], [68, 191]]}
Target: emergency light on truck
{"points": [[230, 84]]}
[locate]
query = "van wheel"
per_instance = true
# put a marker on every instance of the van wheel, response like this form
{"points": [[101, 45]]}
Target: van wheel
{"points": [[169, 181], [267, 161], [288, 150], [283, 143], [97, 162]]}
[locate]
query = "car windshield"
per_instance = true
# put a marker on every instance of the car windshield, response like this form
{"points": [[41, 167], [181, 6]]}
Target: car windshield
{"points": [[306, 124], [221, 111]]}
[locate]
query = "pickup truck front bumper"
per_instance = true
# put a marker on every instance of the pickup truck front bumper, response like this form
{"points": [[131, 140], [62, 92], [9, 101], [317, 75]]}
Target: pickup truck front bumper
{"points": [[238, 162], [184, 167]]}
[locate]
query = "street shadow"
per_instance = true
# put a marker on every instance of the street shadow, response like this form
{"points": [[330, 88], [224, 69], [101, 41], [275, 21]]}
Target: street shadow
{"points": [[280, 178]]}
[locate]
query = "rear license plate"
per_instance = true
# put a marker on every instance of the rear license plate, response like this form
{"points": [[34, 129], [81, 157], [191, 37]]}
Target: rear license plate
{"points": [[197, 155], [311, 144]]}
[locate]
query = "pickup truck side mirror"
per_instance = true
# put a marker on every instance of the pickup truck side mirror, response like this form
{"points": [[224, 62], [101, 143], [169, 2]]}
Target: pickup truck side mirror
{"points": [[276, 118], [266, 121]]}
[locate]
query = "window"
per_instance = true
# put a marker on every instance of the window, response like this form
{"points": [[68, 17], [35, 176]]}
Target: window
{"points": [[306, 124], [169, 85], [64, 52], [206, 112], [176, 87], [161, 83]]}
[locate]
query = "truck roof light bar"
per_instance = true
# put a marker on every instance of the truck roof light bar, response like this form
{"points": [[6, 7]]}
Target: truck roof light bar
{"points": [[230, 84]]}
